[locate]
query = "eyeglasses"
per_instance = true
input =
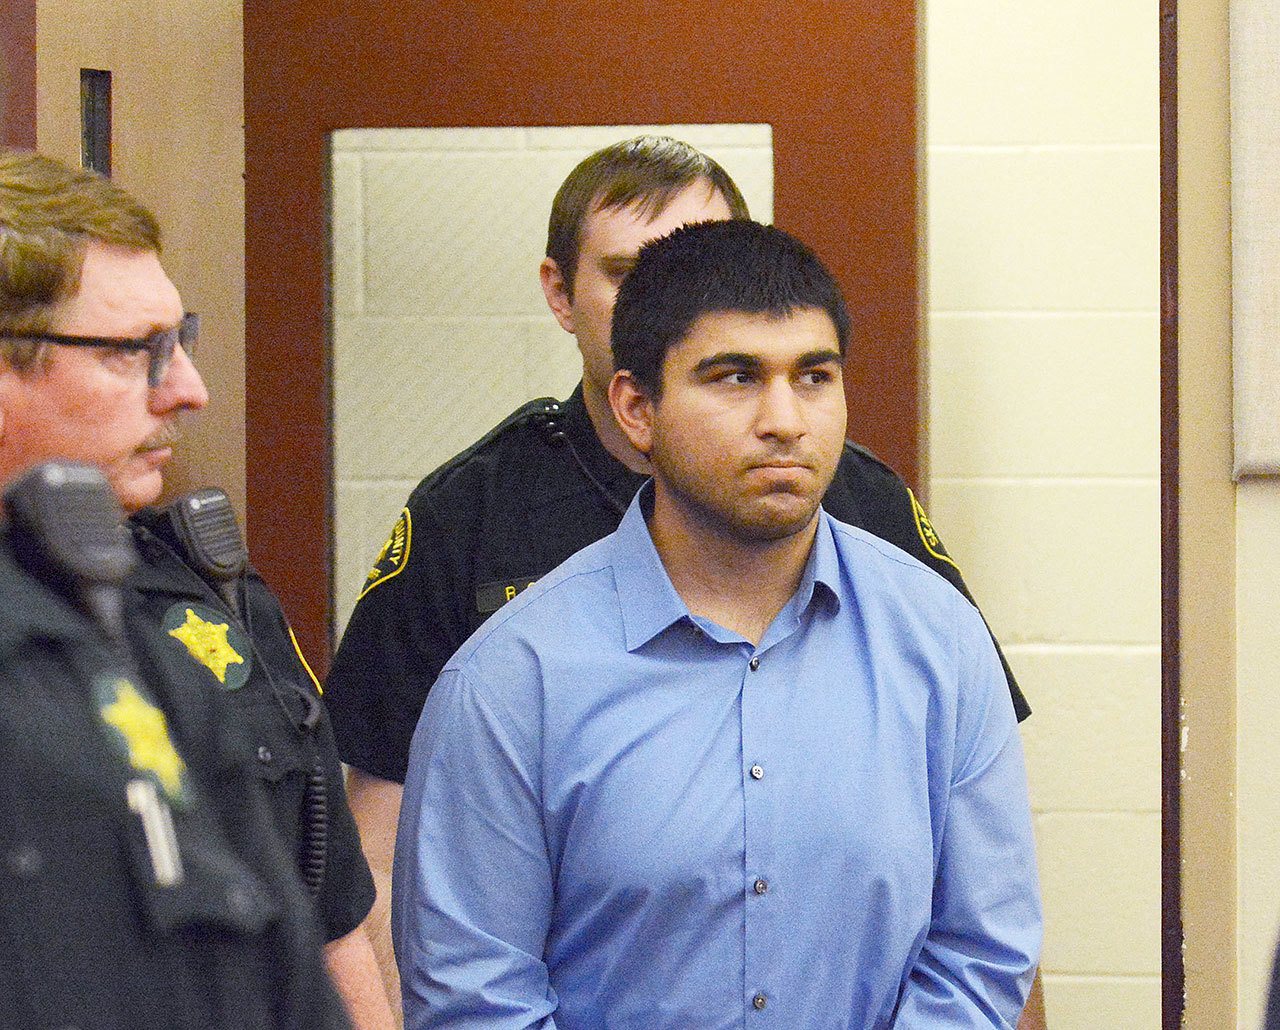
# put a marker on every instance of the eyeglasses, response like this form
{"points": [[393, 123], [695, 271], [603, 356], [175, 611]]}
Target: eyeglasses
{"points": [[159, 345]]}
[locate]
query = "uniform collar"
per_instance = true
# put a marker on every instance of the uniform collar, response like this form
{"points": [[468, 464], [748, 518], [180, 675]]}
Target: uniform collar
{"points": [[618, 481], [161, 569], [650, 604]]}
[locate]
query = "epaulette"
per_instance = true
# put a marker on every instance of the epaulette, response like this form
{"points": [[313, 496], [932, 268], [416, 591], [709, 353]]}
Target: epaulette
{"points": [[544, 411]]}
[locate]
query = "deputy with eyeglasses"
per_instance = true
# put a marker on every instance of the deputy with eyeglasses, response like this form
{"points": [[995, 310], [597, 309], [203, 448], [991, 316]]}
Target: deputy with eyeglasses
{"points": [[96, 367]]}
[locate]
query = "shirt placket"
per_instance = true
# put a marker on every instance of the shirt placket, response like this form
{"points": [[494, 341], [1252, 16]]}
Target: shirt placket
{"points": [[763, 883]]}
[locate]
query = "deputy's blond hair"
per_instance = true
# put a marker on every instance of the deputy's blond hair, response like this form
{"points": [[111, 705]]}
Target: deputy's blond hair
{"points": [[48, 213]]}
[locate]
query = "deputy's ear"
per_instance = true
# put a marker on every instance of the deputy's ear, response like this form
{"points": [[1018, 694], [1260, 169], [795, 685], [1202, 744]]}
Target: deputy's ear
{"points": [[556, 291], [633, 410]]}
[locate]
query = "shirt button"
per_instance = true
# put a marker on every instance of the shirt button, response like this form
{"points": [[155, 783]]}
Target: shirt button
{"points": [[754, 663], [757, 772], [264, 755], [761, 886], [759, 1001]]}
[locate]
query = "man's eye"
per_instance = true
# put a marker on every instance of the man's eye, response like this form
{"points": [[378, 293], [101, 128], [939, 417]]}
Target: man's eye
{"points": [[816, 377], [736, 378], [125, 359]]}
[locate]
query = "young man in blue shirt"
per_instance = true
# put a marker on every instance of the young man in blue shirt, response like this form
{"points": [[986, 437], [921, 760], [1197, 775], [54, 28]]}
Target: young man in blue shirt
{"points": [[736, 764]]}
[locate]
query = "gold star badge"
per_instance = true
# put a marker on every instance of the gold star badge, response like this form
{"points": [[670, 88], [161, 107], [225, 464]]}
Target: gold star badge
{"points": [[145, 733], [208, 644]]}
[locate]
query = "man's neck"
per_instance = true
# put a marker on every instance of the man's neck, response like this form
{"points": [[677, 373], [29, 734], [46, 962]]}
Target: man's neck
{"points": [[739, 585], [606, 427]]}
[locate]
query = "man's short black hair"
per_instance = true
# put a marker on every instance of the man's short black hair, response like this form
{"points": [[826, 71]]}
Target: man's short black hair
{"points": [[709, 268]]}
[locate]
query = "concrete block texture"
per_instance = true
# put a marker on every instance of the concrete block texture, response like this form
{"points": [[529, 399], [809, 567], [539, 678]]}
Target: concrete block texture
{"points": [[1043, 395], [1058, 561], [1051, 229], [1100, 879], [1090, 743], [1093, 1002], [413, 392], [1042, 72], [346, 197]]}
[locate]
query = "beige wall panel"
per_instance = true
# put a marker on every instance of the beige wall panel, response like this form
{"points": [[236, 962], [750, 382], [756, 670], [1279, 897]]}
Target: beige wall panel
{"points": [[1258, 734], [1043, 370], [1093, 752], [1055, 229], [178, 142], [1099, 891], [1043, 394], [1129, 1002], [1051, 73], [1058, 561]]}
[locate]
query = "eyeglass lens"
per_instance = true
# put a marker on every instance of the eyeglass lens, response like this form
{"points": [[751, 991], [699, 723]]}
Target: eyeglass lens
{"points": [[185, 335]]}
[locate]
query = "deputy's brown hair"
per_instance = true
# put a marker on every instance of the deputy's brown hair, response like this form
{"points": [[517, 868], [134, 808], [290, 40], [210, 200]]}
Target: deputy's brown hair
{"points": [[647, 172], [48, 213]]}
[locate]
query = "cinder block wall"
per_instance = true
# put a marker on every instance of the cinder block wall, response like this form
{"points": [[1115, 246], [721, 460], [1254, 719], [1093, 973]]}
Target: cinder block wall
{"points": [[440, 326], [1043, 364]]}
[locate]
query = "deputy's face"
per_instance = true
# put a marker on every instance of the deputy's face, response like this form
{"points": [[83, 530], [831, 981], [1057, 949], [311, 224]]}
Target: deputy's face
{"points": [[93, 404], [745, 437], [611, 239]]}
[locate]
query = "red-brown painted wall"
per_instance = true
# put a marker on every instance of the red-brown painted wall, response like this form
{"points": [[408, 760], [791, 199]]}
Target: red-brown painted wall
{"points": [[836, 81], [18, 73]]}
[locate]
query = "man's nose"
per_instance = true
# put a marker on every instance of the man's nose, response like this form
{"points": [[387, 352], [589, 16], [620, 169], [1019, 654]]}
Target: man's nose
{"points": [[780, 413], [181, 388]]}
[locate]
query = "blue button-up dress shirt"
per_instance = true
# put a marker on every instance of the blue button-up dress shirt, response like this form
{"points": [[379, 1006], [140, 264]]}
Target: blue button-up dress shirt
{"points": [[619, 814]]}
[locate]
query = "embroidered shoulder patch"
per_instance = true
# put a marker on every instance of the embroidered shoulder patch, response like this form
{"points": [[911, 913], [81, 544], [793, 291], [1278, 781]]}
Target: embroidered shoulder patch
{"points": [[140, 734], [212, 640], [928, 536], [394, 555]]}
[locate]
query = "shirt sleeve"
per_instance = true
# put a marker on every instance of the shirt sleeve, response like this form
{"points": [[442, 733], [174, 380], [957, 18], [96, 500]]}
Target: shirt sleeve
{"points": [[472, 890], [868, 494], [403, 629], [979, 956]]}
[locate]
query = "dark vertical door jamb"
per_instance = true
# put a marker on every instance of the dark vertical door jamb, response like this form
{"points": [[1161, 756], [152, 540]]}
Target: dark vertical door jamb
{"points": [[1172, 974]]}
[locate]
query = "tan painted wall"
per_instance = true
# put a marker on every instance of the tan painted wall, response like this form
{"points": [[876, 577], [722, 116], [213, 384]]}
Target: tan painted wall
{"points": [[178, 132], [1209, 559], [1043, 364]]}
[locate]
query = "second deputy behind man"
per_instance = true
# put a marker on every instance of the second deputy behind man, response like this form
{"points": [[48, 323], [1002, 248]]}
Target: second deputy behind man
{"points": [[737, 761]]}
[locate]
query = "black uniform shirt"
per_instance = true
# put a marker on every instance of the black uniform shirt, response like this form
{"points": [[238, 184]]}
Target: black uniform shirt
{"points": [[504, 512], [90, 755], [182, 629]]}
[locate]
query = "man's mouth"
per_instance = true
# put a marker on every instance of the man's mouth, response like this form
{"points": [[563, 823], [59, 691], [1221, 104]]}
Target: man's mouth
{"points": [[780, 463]]}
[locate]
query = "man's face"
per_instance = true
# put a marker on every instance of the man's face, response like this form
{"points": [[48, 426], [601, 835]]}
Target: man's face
{"points": [[610, 242], [93, 404], [745, 437]]}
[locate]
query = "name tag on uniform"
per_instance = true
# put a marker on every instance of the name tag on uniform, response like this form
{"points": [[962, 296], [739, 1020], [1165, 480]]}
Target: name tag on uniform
{"points": [[492, 596]]}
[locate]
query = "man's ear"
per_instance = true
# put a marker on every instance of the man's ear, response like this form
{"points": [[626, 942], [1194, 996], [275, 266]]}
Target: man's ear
{"points": [[557, 293], [633, 410]]}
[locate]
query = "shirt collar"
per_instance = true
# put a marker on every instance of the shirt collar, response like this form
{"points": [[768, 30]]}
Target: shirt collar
{"points": [[649, 602]]}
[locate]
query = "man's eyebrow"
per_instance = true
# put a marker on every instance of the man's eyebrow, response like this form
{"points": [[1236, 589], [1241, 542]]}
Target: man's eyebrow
{"points": [[733, 359], [819, 357]]}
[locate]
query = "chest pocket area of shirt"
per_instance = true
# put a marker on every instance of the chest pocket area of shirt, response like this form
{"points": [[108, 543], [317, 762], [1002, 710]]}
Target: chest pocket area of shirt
{"points": [[279, 748]]}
